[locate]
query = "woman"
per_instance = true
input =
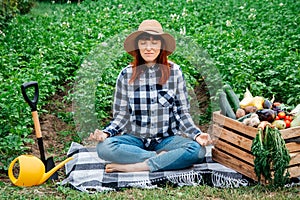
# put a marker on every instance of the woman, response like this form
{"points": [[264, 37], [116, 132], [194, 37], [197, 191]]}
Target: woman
{"points": [[151, 110]]}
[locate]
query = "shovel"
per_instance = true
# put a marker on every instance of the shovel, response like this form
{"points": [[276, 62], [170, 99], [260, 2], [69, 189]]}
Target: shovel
{"points": [[49, 163]]}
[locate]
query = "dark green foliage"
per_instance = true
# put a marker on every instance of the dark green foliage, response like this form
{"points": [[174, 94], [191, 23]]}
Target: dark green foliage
{"points": [[271, 157]]}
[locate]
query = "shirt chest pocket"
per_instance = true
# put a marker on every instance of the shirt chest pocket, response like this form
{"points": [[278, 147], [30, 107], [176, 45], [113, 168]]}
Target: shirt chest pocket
{"points": [[166, 98]]}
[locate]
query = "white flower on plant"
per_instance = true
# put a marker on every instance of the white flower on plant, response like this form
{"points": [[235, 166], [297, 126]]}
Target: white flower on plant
{"points": [[120, 6], [252, 10], [174, 17], [189, 1], [89, 30], [228, 23], [53, 2], [100, 36], [41, 53], [252, 16], [65, 24], [241, 7], [182, 31], [1, 33], [184, 12], [68, 2], [281, 4]]}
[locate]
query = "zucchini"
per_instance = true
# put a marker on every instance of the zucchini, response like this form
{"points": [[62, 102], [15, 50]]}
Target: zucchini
{"points": [[225, 106], [232, 97]]}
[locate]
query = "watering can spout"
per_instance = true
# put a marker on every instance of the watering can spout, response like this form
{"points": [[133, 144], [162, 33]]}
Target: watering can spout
{"points": [[47, 175]]}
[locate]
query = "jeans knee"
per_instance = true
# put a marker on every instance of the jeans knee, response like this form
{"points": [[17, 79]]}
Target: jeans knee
{"points": [[197, 151], [104, 149], [202, 152]]}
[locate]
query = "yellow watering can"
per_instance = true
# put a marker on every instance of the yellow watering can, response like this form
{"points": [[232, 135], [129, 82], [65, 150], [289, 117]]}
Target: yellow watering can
{"points": [[31, 170]]}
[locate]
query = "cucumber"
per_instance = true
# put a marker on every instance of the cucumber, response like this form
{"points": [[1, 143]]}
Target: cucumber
{"points": [[225, 106], [232, 97]]}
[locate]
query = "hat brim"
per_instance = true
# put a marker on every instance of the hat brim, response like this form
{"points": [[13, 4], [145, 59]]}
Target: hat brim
{"points": [[129, 43]]}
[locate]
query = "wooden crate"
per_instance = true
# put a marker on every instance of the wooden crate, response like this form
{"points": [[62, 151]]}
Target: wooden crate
{"points": [[233, 146]]}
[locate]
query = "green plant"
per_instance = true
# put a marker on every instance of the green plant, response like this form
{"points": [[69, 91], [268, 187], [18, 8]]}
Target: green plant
{"points": [[271, 154]]}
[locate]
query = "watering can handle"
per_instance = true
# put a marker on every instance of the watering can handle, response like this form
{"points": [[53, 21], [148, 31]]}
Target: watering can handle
{"points": [[32, 103], [10, 171]]}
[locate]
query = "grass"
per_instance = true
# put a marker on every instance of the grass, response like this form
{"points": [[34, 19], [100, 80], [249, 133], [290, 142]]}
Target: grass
{"points": [[51, 191]]}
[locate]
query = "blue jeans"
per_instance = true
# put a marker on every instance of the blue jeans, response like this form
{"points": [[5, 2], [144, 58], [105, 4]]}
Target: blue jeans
{"points": [[127, 149]]}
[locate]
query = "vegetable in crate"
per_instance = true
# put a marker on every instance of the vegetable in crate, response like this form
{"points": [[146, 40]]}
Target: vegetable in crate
{"points": [[250, 109], [252, 121], [280, 124], [296, 121], [276, 108], [266, 115], [225, 106], [248, 100], [232, 97], [296, 110], [258, 102], [281, 115], [240, 113], [270, 153], [267, 104]]}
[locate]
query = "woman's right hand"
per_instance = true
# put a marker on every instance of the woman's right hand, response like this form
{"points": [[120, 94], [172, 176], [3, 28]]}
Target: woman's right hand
{"points": [[98, 136]]}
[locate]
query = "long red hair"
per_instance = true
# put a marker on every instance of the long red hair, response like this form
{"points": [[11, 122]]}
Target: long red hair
{"points": [[138, 62]]}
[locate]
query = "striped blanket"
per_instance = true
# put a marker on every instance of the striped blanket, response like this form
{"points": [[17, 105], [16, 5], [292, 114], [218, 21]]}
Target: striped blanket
{"points": [[86, 173]]}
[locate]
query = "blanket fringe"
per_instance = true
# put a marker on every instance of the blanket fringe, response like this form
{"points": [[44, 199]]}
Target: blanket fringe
{"points": [[186, 179], [145, 184], [95, 189], [219, 180]]}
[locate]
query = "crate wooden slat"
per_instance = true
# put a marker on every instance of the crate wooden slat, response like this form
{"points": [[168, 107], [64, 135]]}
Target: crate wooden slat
{"points": [[294, 171], [234, 151], [233, 146], [293, 147], [234, 163], [236, 125]]}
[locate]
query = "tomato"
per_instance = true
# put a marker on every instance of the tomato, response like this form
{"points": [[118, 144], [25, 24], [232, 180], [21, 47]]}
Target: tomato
{"points": [[287, 123], [277, 118], [288, 117], [281, 115]]}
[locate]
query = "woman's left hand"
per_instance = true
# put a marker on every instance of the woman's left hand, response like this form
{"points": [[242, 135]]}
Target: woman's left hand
{"points": [[204, 139]]}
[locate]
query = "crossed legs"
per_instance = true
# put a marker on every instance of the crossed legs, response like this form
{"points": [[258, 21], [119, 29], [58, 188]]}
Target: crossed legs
{"points": [[128, 154]]}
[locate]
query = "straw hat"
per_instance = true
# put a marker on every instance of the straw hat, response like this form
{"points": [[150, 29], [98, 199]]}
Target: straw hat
{"points": [[152, 27]]}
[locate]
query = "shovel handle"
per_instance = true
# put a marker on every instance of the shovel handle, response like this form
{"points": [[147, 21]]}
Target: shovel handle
{"points": [[37, 126], [32, 103]]}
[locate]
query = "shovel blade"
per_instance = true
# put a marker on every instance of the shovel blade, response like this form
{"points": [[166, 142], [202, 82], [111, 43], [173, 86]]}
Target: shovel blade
{"points": [[49, 164]]}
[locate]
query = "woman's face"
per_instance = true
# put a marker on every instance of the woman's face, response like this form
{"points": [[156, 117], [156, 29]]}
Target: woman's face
{"points": [[149, 49]]}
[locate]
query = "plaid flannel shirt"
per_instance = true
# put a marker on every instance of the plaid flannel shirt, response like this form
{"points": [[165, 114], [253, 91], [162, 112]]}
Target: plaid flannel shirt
{"points": [[149, 110]]}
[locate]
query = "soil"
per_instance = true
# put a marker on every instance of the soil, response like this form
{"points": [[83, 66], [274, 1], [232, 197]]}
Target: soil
{"points": [[52, 125]]}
